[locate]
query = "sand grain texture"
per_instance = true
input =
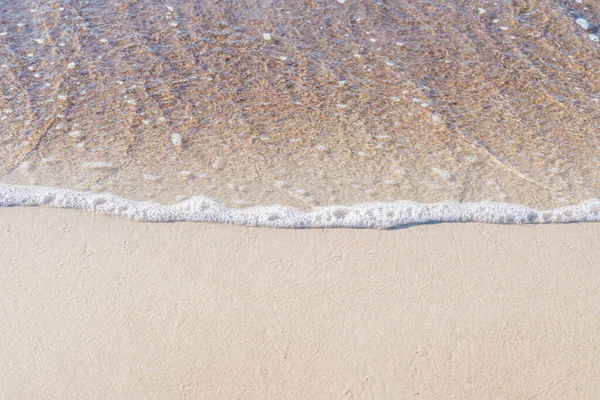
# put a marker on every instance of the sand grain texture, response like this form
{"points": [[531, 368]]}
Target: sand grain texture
{"points": [[99, 307]]}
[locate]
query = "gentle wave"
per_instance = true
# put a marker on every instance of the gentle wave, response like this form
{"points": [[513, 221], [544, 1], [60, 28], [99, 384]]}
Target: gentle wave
{"points": [[366, 215]]}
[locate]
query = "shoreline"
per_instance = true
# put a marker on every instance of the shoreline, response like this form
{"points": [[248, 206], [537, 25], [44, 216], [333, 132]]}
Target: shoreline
{"points": [[375, 215], [98, 307]]}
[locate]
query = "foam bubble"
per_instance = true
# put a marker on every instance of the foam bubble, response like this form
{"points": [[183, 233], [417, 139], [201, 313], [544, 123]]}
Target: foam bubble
{"points": [[582, 22], [151, 177], [176, 139], [442, 173], [366, 215]]}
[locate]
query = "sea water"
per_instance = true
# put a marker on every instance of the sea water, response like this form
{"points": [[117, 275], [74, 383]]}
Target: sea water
{"points": [[303, 113]]}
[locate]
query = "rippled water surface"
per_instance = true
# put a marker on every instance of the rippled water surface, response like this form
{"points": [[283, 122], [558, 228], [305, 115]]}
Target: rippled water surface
{"points": [[303, 103]]}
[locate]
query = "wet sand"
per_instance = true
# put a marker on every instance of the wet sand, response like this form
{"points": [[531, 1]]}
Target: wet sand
{"points": [[303, 103], [102, 307]]}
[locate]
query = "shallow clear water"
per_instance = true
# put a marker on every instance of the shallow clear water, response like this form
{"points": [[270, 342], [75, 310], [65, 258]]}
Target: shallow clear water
{"points": [[303, 103]]}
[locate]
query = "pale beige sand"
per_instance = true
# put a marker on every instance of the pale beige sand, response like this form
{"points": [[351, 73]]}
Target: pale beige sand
{"points": [[97, 307]]}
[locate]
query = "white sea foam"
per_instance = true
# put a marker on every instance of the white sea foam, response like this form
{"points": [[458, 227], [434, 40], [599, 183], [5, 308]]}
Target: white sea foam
{"points": [[365, 215]]}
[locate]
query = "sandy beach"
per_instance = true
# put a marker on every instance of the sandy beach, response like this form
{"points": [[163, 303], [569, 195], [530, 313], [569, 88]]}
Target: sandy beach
{"points": [[103, 307], [296, 114]]}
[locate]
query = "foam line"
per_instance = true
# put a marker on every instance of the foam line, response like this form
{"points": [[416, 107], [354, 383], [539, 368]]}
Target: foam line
{"points": [[366, 215]]}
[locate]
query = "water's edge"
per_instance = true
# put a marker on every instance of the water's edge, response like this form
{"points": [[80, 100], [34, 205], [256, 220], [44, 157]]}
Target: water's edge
{"points": [[365, 215]]}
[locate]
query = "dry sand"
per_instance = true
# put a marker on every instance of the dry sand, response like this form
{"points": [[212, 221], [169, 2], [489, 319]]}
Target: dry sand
{"points": [[99, 307]]}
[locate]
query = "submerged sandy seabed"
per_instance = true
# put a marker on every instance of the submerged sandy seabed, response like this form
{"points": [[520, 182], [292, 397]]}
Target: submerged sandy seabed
{"points": [[303, 103], [100, 307]]}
